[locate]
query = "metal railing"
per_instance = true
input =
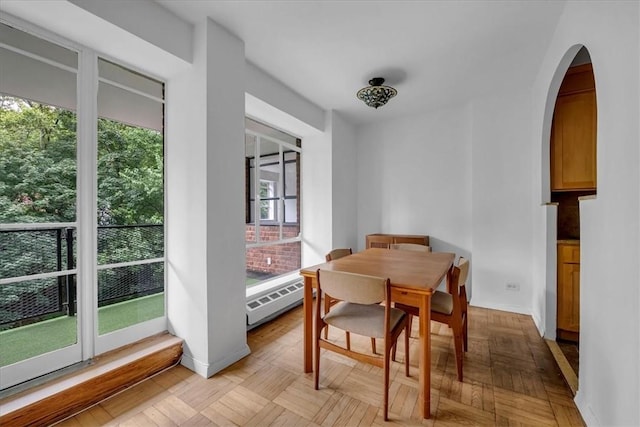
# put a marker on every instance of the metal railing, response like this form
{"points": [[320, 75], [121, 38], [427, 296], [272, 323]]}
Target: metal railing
{"points": [[25, 252]]}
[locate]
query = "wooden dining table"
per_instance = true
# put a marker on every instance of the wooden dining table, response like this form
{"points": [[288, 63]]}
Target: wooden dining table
{"points": [[413, 275]]}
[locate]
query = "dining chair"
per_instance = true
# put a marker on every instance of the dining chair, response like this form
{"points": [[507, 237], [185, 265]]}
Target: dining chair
{"points": [[410, 247], [359, 311], [329, 301], [338, 253], [450, 308], [375, 241]]}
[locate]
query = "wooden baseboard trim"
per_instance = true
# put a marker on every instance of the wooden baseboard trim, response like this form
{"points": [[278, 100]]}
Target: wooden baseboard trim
{"points": [[567, 371], [107, 375]]}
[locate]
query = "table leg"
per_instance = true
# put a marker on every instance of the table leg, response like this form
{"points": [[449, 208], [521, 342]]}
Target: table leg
{"points": [[308, 324], [425, 355]]}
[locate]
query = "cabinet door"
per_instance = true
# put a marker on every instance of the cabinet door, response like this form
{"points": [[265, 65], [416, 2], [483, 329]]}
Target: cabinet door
{"points": [[569, 297], [573, 142]]}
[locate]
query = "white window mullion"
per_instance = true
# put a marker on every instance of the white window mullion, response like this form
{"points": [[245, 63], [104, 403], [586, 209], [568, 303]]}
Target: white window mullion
{"points": [[87, 199]]}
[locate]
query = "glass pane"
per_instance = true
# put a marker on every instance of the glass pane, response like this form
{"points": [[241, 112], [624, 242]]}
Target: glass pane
{"points": [[265, 262], [130, 200], [37, 162], [129, 295], [291, 186], [27, 252], [123, 243], [269, 191], [35, 318], [38, 167], [291, 172], [291, 210]]}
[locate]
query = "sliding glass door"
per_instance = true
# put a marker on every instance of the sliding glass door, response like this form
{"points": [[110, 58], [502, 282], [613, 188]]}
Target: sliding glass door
{"points": [[81, 206], [130, 206], [39, 322]]}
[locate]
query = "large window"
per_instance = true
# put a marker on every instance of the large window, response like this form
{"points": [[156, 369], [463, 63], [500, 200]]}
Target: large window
{"points": [[64, 247], [272, 162]]}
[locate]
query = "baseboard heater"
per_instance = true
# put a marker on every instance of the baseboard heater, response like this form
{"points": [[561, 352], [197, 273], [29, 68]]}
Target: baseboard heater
{"points": [[264, 307]]}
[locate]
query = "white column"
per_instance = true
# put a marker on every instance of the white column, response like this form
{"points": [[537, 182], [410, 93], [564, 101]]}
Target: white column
{"points": [[226, 268], [205, 207]]}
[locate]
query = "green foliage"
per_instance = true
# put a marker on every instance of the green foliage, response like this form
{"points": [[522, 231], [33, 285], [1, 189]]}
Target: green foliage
{"points": [[130, 175], [38, 167], [37, 162], [38, 175]]}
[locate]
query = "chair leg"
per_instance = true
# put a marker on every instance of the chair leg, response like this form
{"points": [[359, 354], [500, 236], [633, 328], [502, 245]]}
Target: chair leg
{"points": [[316, 351], [457, 340], [347, 337], [465, 335], [407, 332], [406, 350], [373, 345], [386, 381]]}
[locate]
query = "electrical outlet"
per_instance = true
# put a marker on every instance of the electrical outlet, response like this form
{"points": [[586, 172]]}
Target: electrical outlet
{"points": [[512, 286]]}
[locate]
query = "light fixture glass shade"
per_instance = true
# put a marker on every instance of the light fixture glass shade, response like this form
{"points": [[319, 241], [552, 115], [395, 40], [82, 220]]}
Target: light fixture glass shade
{"points": [[377, 94]]}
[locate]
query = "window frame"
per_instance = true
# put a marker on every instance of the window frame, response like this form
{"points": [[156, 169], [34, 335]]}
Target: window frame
{"points": [[280, 221]]}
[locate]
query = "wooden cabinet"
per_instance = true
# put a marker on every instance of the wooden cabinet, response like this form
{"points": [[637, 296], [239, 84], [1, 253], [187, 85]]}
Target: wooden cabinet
{"points": [[379, 240], [573, 132], [569, 290]]}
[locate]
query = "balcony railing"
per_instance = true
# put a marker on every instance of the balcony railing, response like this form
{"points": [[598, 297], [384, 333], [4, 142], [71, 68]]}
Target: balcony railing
{"points": [[25, 252]]}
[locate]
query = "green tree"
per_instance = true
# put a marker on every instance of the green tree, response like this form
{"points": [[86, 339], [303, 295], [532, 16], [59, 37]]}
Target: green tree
{"points": [[37, 162], [130, 174]]}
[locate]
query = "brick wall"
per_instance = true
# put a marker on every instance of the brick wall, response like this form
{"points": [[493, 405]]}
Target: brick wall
{"points": [[284, 257]]}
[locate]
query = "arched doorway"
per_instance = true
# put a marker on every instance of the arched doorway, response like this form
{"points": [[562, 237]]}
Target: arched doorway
{"points": [[571, 118]]}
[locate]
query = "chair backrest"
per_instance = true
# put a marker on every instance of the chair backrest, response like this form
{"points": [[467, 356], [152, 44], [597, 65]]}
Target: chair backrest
{"points": [[455, 290], [463, 265], [410, 247], [351, 287], [338, 253]]}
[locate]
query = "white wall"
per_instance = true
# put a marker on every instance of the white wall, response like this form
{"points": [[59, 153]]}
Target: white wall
{"points": [[344, 184], [163, 30], [609, 378], [316, 195], [501, 195], [304, 117], [414, 177]]}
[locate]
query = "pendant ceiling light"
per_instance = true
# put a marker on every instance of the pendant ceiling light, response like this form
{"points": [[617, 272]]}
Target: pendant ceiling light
{"points": [[377, 94]]}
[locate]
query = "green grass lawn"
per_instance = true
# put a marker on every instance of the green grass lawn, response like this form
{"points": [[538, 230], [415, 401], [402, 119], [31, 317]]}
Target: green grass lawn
{"points": [[39, 338], [117, 316], [28, 341]]}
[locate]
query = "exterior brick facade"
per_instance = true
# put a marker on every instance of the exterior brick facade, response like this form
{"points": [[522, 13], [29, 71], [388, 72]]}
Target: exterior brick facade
{"points": [[284, 257]]}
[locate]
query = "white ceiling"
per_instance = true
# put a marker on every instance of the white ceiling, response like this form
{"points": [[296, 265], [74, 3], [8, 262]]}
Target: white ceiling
{"points": [[435, 53]]}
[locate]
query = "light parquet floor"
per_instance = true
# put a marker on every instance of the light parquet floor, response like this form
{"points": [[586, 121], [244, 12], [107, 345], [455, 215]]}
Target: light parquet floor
{"points": [[510, 379]]}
